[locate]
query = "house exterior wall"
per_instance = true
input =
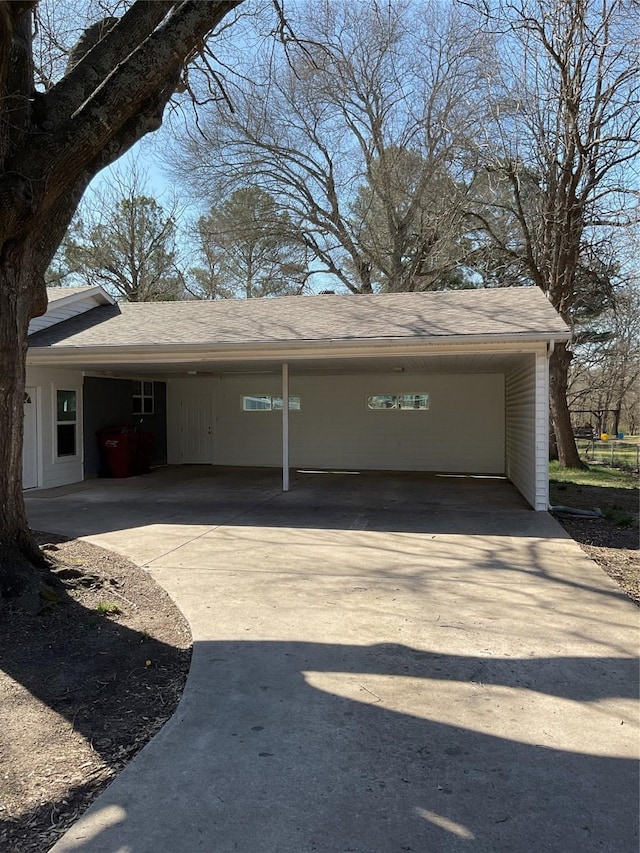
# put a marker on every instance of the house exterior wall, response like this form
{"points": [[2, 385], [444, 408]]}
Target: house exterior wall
{"points": [[157, 424], [54, 470], [463, 430], [541, 502], [527, 428], [520, 443], [107, 403], [482, 423]]}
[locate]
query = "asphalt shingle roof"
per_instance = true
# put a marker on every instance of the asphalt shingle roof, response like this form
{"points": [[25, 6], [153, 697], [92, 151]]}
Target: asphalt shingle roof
{"points": [[499, 312]]}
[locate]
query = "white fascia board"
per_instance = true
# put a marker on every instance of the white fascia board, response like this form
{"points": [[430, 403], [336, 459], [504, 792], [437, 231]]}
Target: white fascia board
{"points": [[290, 351], [100, 296]]}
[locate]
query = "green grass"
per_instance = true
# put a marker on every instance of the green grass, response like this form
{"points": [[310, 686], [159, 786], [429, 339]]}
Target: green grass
{"points": [[108, 608], [622, 519], [615, 453], [613, 491], [594, 476]]}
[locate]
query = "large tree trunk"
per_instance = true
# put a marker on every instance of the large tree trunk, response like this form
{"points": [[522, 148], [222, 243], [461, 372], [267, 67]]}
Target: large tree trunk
{"points": [[553, 444], [565, 441], [51, 144], [617, 414], [18, 551]]}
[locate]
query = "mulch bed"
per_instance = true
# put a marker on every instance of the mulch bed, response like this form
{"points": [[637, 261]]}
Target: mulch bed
{"points": [[611, 541], [85, 684], [613, 548]]}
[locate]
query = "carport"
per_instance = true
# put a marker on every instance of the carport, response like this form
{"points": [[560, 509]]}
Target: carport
{"points": [[448, 382], [469, 423]]}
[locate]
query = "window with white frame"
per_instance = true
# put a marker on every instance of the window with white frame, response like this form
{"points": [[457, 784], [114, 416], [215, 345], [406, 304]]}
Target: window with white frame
{"points": [[418, 401], [66, 423], [268, 403], [142, 398]]}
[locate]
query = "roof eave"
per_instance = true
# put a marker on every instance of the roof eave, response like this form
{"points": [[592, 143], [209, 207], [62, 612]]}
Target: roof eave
{"points": [[283, 349]]}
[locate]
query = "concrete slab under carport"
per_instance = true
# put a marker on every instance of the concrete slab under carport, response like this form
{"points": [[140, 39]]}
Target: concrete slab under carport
{"points": [[380, 663]]}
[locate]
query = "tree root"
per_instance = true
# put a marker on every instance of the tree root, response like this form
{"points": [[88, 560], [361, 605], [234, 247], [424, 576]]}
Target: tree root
{"points": [[34, 581], [27, 578], [72, 577]]}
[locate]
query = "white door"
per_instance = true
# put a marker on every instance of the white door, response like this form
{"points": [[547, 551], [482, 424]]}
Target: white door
{"points": [[30, 446], [196, 429]]}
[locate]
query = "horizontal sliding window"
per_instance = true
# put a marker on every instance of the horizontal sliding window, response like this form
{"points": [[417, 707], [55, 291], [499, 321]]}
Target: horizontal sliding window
{"points": [[268, 403], [381, 401], [256, 403], [414, 402]]}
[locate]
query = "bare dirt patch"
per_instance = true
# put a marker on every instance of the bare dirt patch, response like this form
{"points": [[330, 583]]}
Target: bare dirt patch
{"points": [[84, 685]]}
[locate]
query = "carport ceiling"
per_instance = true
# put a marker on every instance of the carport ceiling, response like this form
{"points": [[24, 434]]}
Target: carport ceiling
{"points": [[436, 364]]}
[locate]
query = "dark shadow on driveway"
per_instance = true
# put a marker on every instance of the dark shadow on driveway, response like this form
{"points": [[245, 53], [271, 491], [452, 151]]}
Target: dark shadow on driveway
{"points": [[261, 758]]}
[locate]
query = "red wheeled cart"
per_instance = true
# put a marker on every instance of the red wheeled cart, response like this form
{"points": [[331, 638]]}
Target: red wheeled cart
{"points": [[119, 446]]}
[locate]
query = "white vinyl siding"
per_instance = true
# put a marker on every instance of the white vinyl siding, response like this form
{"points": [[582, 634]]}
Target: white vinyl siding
{"points": [[476, 423], [527, 428], [54, 470], [541, 502], [463, 430]]}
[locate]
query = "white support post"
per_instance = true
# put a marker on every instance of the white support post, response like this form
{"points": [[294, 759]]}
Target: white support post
{"points": [[285, 427]]}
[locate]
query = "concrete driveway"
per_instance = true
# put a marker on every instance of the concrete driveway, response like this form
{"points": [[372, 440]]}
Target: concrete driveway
{"points": [[381, 664]]}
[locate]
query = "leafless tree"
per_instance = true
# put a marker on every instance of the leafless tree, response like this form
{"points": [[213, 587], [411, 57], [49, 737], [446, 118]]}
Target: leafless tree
{"points": [[561, 147], [604, 379], [53, 139], [356, 126]]}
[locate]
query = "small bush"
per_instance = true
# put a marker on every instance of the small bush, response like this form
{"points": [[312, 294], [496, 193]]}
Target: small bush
{"points": [[108, 608]]}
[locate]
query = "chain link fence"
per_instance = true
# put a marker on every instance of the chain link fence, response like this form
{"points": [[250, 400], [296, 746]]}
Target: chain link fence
{"points": [[613, 452]]}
